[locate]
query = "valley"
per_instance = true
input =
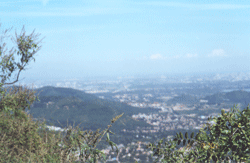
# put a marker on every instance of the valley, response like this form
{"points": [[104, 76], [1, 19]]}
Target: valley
{"points": [[153, 108]]}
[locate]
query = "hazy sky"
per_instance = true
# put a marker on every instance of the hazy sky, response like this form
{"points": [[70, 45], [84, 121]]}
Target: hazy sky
{"points": [[133, 37]]}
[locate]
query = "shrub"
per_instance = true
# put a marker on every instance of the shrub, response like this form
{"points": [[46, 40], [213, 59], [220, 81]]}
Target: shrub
{"points": [[224, 138]]}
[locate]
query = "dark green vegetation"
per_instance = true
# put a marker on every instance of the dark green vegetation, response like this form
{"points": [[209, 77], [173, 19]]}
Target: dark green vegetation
{"points": [[66, 104], [225, 138], [23, 140]]}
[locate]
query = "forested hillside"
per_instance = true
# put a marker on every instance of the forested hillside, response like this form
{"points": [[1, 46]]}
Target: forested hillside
{"points": [[62, 104]]}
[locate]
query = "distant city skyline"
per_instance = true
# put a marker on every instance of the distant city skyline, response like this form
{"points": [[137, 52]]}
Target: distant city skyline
{"points": [[94, 38]]}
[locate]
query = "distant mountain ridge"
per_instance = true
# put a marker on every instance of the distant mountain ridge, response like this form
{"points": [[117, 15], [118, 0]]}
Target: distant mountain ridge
{"points": [[238, 96]]}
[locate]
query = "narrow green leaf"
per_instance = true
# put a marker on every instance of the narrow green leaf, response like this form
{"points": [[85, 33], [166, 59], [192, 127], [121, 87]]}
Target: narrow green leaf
{"points": [[192, 134], [108, 136], [184, 141], [186, 135], [181, 135]]}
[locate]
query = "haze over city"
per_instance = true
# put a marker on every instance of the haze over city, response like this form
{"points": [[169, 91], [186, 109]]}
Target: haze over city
{"points": [[132, 37]]}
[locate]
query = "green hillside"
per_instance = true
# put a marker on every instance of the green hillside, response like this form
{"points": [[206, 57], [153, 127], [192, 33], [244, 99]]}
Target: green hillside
{"points": [[60, 104]]}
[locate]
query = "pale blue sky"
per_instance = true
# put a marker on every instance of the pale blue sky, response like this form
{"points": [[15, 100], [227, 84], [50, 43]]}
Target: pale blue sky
{"points": [[133, 37]]}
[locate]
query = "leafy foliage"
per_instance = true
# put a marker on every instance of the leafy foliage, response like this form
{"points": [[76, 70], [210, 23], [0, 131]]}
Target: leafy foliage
{"points": [[26, 47], [224, 138]]}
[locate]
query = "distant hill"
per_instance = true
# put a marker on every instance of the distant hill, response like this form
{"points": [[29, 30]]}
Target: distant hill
{"points": [[184, 99], [233, 97], [238, 96], [60, 104], [215, 98]]}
